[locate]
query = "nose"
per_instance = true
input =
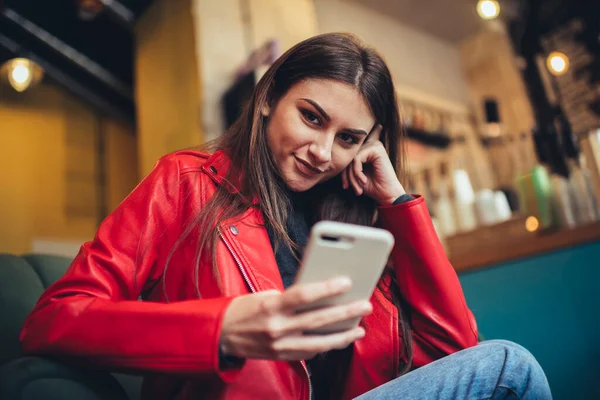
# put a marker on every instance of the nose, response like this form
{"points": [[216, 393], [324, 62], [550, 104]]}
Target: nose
{"points": [[320, 149]]}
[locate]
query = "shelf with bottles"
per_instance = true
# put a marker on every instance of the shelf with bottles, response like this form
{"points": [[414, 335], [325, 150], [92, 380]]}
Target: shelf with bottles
{"points": [[561, 190], [545, 169], [461, 200], [430, 126], [485, 179], [460, 180], [455, 205], [559, 206]]}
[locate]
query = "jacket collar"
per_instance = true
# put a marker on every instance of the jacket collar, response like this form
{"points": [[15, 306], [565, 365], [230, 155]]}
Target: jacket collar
{"points": [[246, 236], [217, 167]]}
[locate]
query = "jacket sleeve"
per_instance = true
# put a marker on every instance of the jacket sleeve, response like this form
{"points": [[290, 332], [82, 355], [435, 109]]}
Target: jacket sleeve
{"points": [[92, 315], [440, 320]]}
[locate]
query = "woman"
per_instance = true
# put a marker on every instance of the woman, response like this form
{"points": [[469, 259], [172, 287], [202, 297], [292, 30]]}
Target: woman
{"points": [[211, 242]]}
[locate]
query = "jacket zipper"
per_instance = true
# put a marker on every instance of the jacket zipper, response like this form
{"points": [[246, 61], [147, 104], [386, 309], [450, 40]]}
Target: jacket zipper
{"points": [[308, 377], [238, 262], [253, 290], [396, 336]]}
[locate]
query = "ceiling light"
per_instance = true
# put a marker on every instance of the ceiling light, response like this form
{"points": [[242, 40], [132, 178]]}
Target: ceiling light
{"points": [[21, 73], [557, 63], [87, 10], [488, 9]]}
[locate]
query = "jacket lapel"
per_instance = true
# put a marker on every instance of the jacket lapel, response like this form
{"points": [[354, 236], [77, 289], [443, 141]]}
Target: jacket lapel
{"points": [[245, 237], [249, 243]]}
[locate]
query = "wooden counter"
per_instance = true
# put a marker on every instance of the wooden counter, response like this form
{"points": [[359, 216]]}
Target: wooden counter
{"points": [[510, 241]]}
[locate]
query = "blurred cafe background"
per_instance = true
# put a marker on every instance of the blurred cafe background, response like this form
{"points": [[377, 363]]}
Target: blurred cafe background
{"points": [[500, 102]]}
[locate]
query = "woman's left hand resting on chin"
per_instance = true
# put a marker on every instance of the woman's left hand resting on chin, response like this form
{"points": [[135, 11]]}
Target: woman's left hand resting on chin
{"points": [[371, 172]]}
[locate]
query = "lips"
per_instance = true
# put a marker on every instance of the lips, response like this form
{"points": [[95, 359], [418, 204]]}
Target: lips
{"points": [[306, 168]]}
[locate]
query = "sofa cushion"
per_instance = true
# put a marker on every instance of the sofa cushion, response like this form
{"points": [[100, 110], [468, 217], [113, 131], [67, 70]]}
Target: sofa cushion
{"points": [[20, 287], [49, 268], [38, 378], [23, 279]]}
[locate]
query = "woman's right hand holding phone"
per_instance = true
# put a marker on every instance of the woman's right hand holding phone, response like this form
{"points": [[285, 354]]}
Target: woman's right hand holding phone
{"points": [[266, 325]]}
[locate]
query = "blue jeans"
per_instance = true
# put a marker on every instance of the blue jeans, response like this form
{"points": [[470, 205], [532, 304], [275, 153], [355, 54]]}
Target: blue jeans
{"points": [[495, 369]]}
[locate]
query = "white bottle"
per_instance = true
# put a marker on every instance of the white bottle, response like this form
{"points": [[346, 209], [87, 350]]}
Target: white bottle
{"points": [[485, 207], [464, 200], [444, 211], [501, 206]]}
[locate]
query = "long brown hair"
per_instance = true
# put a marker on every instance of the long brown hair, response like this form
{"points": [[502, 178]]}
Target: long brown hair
{"points": [[334, 56]]}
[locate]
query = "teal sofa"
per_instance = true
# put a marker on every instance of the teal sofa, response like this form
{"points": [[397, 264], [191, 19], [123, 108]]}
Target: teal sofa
{"points": [[22, 281]]}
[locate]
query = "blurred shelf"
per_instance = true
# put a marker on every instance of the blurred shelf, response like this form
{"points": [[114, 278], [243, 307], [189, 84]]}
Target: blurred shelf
{"points": [[438, 140], [492, 245]]}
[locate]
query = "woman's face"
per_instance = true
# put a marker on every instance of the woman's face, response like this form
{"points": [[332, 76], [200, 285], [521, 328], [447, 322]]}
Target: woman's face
{"points": [[315, 131]]}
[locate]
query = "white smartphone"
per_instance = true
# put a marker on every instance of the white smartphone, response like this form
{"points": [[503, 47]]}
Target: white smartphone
{"points": [[340, 249]]}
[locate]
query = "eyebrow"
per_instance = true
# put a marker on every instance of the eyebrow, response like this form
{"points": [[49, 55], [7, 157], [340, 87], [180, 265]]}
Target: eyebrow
{"points": [[319, 108], [328, 118]]}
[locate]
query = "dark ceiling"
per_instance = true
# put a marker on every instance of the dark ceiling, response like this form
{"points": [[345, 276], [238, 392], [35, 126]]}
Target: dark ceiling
{"points": [[94, 58], [91, 58]]}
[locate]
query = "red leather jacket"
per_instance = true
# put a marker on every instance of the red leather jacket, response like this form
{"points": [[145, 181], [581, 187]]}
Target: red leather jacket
{"points": [[92, 315]]}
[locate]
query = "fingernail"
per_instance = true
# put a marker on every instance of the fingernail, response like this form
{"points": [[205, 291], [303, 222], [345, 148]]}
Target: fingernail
{"points": [[342, 282]]}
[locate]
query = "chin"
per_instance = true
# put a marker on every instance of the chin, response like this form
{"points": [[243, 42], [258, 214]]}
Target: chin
{"points": [[299, 184]]}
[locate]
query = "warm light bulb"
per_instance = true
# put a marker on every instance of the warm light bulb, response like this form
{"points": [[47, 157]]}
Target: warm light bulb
{"points": [[557, 63], [532, 224], [21, 73], [488, 9]]}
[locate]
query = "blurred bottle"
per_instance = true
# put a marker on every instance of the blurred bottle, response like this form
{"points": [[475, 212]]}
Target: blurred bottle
{"points": [[543, 191], [431, 197], [485, 207], [464, 201], [580, 185], [492, 207], [502, 207], [444, 208]]}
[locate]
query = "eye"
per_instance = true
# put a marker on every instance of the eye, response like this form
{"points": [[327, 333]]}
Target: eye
{"points": [[311, 117], [348, 138]]}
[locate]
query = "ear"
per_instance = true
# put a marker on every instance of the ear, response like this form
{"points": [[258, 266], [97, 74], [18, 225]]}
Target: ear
{"points": [[265, 110], [375, 134]]}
